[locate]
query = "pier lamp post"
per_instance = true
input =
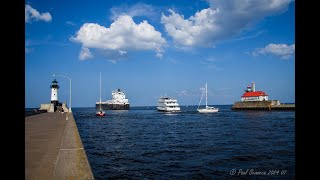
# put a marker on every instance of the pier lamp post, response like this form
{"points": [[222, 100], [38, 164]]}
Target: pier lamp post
{"points": [[70, 89]]}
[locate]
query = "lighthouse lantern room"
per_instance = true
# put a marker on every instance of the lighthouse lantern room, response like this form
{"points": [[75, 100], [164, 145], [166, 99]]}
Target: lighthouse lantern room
{"points": [[54, 92], [252, 95]]}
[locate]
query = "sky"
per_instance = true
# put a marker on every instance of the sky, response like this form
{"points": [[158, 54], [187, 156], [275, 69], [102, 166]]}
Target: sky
{"points": [[153, 48]]}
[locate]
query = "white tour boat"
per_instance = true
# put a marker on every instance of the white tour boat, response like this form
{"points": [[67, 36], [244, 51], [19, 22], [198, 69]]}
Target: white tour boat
{"points": [[168, 104]]}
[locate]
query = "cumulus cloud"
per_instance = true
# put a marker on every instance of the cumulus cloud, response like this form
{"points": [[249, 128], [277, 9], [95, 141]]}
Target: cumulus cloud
{"points": [[222, 20], [33, 14], [85, 53], [192, 31], [282, 50], [122, 36]]}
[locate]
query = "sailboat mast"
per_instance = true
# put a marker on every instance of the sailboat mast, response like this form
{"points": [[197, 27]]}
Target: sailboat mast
{"points": [[100, 88], [206, 95]]}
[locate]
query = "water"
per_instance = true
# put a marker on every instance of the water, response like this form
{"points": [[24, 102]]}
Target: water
{"points": [[143, 143]]}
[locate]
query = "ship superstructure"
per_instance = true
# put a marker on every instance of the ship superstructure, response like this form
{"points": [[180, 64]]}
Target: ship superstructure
{"points": [[118, 102]]}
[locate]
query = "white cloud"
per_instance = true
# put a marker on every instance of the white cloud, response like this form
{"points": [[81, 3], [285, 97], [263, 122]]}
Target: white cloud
{"points": [[33, 14], [139, 9], [283, 50], [122, 35], [159, 53], [210, 63], [250, 36], [70, 23], [85, 54], [122, 52], [192, 31], [183, 93], [188, 92], [222, 20]]}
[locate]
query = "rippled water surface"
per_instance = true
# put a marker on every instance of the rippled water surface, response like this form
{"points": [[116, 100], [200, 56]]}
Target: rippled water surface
{"points": [[143, 143]]}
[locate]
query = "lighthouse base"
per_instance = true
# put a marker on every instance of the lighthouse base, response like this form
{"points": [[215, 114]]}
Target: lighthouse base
{"points": [[263, 105]]}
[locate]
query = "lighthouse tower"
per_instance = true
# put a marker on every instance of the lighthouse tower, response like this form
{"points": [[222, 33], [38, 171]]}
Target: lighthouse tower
{"points": [[54, 93]]}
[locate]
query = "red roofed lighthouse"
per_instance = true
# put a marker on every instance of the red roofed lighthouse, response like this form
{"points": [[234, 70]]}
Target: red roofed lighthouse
{"points": [[258, 100], [252, 95]]}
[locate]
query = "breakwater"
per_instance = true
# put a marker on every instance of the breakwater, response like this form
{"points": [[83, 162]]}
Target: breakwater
{"points": [[263, 105], [53, 148]]}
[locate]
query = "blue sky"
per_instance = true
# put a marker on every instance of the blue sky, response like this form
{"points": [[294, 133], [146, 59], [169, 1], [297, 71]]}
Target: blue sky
{"points": [[152, 48]]}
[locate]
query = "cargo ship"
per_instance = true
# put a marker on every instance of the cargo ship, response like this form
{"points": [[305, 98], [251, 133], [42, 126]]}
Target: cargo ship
{"points": [[118, 102]]}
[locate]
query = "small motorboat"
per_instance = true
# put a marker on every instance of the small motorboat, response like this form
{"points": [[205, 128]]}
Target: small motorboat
{"points": [[101, 113]]}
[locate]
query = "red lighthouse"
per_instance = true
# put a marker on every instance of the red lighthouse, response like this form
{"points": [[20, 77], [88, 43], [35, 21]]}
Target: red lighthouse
{"points": [[252, 95]]}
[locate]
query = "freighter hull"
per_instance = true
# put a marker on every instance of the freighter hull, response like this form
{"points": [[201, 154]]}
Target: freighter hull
{"points": [[113, 106]]}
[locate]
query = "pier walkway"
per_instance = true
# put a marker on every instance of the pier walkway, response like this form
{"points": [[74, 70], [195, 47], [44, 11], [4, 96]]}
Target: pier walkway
{"points": [[53, 148]]}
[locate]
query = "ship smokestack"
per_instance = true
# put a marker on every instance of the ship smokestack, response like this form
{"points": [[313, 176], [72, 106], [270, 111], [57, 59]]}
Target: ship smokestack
{"points": [[253, 87]]}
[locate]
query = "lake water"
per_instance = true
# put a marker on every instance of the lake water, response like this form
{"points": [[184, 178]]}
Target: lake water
{"points": [[143, 143]]}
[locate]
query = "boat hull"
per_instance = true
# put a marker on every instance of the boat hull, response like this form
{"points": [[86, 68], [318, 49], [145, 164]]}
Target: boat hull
{"points": [[208, 110], [113, 106], [100, 114], [166, 109]]}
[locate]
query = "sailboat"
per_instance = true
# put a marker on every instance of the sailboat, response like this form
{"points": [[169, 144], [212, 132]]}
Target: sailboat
{"points": [[207, 109], [100, 112]]}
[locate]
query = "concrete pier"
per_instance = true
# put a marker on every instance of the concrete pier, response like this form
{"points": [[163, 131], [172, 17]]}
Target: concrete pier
{"points": [[53, 148], [263, 105]]}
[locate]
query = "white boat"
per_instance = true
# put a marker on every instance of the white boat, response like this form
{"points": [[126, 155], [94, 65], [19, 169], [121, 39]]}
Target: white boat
{"points": [[100, 111], [168, 104], [207, 109]]}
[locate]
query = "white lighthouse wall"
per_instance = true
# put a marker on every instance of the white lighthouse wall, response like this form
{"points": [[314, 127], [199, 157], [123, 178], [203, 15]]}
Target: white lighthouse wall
{"points": [[54, 94], [259, 98], [253, 87]]}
